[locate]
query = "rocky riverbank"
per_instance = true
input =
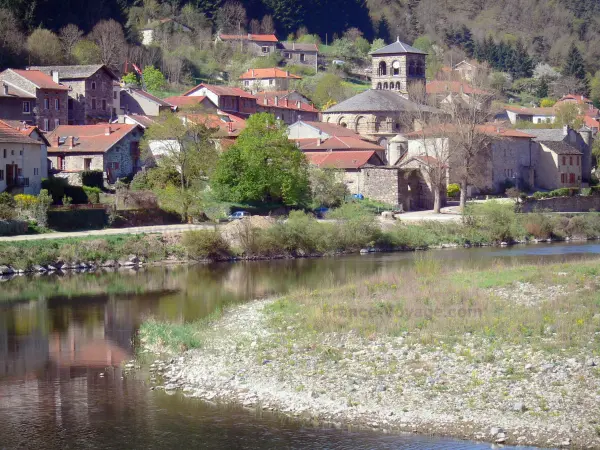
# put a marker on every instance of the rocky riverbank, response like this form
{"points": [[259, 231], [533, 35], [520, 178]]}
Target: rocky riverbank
{"points": [[478, 389]]}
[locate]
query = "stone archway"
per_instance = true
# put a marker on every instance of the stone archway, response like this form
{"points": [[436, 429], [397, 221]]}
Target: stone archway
{"points": [[385, 85], [382, 70], [398, 88], [378, 85], [362, 125]]}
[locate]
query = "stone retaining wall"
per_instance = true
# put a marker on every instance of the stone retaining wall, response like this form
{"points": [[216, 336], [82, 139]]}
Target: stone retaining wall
{"points": [[563, 204]]}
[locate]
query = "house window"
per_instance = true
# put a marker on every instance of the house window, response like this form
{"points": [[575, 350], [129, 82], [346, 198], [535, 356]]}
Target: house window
{"points": [[93, 103], [570, 160], [70, 104], [302, 57], [5, 153], [20, 152], [36, 171], [56, 123], [1, 175], [247, 83], [578, 160], [103, 104], [266, 49], [46, 124], [26, 108], [56, 104], [564, 160], [113, 165], [61, 163], [93, 85], [562, 177], [114, 95], [87, 163], [271, 82], [287, 55], [46, 103], [571, 178]]}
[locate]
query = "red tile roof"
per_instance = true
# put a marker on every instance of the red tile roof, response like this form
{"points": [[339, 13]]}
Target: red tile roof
{"points": [[10, 135], [337, 143], [249, 37], [454, 87], [26, 129], [40, 79], [89, 138], [591, 122], [549, 111], [221, 90], [229, 125], [273, 72], [182, 101], [575, 98], [341, 160], [267, 101]]}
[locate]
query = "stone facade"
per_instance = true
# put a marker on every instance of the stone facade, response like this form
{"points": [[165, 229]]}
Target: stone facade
{"points": [[12, 108], [563, 204], [90, 99], [398, 72]]}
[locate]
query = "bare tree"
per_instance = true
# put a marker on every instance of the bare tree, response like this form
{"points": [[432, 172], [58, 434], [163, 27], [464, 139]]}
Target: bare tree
{"points": [[109, 36], [69, 36], [44, 48], [567, 85], [254, 26], [231, 17], [11, 38], [267, 26]]}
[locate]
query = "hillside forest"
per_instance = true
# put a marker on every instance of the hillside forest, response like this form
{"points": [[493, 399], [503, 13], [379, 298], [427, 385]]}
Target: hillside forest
{"points": [[534, 48]]}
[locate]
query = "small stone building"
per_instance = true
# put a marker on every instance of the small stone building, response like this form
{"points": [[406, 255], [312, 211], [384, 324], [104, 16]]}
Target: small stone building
{"points": [[299, 54], [91, 92], [225, 98], [396, 67], [271, 79], [138, 101], [256, 44], [111, 148]]}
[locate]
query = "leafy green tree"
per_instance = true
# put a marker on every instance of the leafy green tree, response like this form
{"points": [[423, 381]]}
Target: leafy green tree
{"points": [[153, 78], [184, 147], [44, 47], [547, 102], [328, 89], [129, 78], [377, 44], [262, 166], [569, 114], [574, 64], [86, 52], [362, 46], [594, 84]]}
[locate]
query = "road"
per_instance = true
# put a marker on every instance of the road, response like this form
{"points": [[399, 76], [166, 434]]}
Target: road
{"points": [[108, 232]]}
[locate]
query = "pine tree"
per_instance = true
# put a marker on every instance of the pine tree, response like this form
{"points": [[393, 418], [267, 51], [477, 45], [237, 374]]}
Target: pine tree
{"points": [[574, 65], [383, 29], [521, 65]]}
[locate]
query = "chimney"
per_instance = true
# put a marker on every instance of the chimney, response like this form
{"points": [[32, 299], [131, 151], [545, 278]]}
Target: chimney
{"points": [[5, 86], [319, 142], [566, 130], [265, 101], [107, 131], [287, 73], [293, 46], [287, 103], [249, 36], [276, 101], [71, 142], [230, 127], [56, 141], [252, 73], [54, 76]]}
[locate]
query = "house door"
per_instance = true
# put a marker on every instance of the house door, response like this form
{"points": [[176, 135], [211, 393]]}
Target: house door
{"points": [[11, 173]]}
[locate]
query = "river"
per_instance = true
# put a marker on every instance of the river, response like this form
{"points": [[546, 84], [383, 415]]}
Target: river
{"points": [[63, 338]]}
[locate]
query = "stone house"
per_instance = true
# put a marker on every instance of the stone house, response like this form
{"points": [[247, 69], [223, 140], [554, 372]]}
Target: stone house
{"points": [[271, 79], [396, 67], [111, 148], [138, 101], [91, 92], [181, 102], [289, 107], [167, 25], [47, 101], [468, 70], [16, 104], [23, 158], [564, 157], [445, 93], [256, 44], [227, 99], [299, 54]]}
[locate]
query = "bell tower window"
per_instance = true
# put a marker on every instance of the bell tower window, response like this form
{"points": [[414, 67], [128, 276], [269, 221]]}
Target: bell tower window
{"points": [[382, 68]]}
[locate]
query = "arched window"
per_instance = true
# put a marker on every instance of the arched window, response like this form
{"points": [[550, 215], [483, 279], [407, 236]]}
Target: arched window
{"points": [[344, 124], [385, 85], [397, 85], [378, 85], [396, 68], [391, 85], [382, 68]]}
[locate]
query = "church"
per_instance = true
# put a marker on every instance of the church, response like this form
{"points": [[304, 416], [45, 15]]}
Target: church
{"points": [[385, 110]]}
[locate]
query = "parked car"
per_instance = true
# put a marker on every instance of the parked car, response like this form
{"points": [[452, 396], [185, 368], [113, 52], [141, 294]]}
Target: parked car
{"points": [[321, 211], [238, 215]]}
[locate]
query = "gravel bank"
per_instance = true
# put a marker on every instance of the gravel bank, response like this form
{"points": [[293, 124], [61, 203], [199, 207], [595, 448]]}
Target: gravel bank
{"points": [[475, 390]]}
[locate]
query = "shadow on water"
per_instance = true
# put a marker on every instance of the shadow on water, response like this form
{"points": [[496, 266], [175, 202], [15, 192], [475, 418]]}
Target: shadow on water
{"points": [[59, 333]]}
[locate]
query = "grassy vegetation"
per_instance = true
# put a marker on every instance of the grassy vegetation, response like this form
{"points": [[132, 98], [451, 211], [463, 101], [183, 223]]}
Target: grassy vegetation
{"points": [[436, 304]]}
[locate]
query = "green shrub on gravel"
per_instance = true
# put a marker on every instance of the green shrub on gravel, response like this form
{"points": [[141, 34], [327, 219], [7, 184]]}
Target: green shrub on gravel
{"points": [[206, 244]]}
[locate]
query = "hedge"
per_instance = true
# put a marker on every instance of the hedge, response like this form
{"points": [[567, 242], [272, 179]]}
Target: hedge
{"points": [[92, 178], [77, 219], [12, 227], [60, 187]]}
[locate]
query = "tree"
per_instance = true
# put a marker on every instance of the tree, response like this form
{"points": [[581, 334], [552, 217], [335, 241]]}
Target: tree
{"points": [[86, 52], [44, 48], [326, 187], [11, 39], [231, 18], [185, 147], [130, 78], [328, 88], [153, 78], [570, 114], [69, 36], [574, 65], [110, 39], [267, 26], [595, 88], [262, 166]]}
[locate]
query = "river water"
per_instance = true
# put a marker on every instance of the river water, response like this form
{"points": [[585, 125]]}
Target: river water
{"points": [[63, 338]]}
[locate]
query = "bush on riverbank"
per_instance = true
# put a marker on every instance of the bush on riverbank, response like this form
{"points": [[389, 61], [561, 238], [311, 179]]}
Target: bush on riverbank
{"points": [[206, 244]]}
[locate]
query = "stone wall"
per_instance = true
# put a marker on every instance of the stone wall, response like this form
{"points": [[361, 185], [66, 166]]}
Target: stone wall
{"points": [[51, 113], [563, 204], [82, 94], [384, 184], [310, 59]]}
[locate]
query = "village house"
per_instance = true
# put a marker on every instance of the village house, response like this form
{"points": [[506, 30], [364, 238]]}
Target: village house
{"points": [[564, 157], [138, 101], [305, 129], [273, 78], [46, 105], [300, 54], [16, 104], [166, 25], [181, 102], [468, 70], [227, 99], [91, 93], [534, 114], [23, 158], [137, 119], [286, 108], [111, 148], [256, 44], [446, 94]]}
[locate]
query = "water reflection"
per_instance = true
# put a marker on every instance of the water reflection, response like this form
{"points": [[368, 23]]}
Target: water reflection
{"points": [[59, 333]]}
